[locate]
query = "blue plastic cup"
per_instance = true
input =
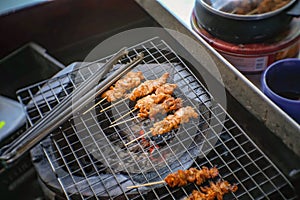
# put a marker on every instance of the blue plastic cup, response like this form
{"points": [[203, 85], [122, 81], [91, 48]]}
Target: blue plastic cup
{"points": [[281, 83]]}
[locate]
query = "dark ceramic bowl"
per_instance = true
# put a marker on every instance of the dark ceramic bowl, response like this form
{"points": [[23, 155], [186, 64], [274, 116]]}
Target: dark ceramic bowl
{"points": [[245, 29]]}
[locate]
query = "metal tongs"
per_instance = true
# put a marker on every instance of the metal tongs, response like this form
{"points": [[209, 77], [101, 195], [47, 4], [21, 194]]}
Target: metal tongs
{"points": [[71, 104]]}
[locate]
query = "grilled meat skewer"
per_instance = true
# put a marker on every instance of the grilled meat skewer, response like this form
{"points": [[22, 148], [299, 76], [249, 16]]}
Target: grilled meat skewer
{"points": [[162, 93], [192, 175], [166, 106], [166, 88], [131, 80], [148, 87], [183, 177], [181, 116], [143, 89], [215, 190], [161, 97]]}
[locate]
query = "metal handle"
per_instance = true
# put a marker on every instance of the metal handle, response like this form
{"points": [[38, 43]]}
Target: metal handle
{"points": [[294, 10], [65, 109]]}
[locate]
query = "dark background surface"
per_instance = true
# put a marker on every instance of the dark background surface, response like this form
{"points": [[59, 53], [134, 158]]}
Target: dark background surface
{"points": [[65, 31], [69, 28]]}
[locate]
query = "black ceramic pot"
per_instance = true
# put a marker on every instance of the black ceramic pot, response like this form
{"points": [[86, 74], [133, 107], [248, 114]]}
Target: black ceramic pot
{"points": [[241, 29]]}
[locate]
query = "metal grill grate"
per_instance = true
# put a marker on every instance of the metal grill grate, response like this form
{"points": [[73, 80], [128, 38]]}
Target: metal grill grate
{"points": [[90, 161]]}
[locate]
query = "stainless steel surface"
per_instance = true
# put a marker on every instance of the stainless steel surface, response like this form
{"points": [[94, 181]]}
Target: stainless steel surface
{"points": [[81, 95], [76, 149], [176, 15]]}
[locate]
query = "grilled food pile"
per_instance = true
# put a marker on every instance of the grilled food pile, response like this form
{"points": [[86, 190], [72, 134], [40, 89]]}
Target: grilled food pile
{"points": [[153, 97], [159, 102], [215, 190], [251, 7], [130, 80], [171, 122], [198, 176], [192, 175]]}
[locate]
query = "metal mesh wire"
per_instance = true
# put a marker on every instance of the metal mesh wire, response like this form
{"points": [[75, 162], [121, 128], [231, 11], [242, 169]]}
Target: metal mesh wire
{"points": [[89, 158]]}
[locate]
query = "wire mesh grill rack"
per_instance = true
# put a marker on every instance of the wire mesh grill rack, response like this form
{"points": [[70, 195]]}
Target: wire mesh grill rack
{"points": [[90, 160]]}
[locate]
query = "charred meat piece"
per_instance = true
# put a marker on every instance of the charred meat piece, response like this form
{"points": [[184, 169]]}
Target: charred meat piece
{"points": [[215, 190], [192, 175], [148, 87], [166, 106], [130, 80], [162, 97], [161, 93], [170, 122], [147, 102], [167, 88]]}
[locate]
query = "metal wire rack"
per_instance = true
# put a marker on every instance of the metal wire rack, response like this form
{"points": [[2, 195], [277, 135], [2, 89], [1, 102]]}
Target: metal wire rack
{"points": [[90, 160]]}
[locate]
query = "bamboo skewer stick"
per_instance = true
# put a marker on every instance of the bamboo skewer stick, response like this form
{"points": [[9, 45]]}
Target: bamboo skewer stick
{"points": [[115, 103], [161, 80], [95, 105], [128, 120], [183, 177], [146, 184], [124, 115], [128, 143], [254, 11], [134, 62], [188, 110], [233, 11]]}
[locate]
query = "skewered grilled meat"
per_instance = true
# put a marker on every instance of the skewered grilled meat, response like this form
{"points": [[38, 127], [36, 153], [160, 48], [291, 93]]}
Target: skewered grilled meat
{"points": [[182, 115], [215, 190], [166, 106], [162, 95], [147, 102], [192, 175], [150, 108], [148, 87], [167, 88], [130, 80]]}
